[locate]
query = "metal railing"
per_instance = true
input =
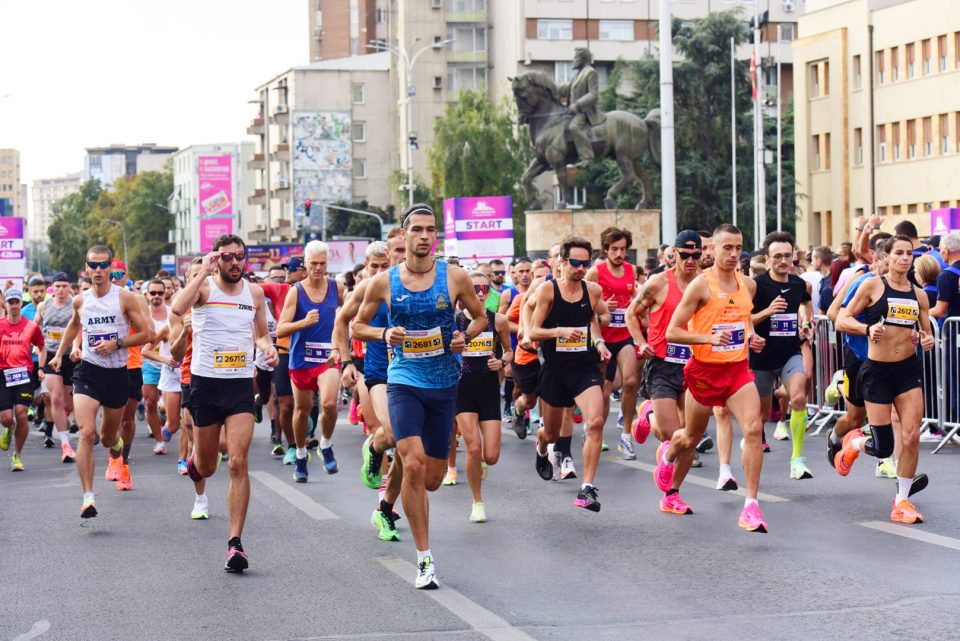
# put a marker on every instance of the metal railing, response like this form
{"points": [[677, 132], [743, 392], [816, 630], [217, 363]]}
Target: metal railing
{"points": [[948, 390], [827, 359]]}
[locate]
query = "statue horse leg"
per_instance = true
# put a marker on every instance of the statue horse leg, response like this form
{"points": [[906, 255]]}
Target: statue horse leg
{"points": [[537, 167], [645, 184], [627, 178]]}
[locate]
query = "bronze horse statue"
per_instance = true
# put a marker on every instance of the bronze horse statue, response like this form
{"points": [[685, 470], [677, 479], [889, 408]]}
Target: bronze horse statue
{"points": [[622, 136]]}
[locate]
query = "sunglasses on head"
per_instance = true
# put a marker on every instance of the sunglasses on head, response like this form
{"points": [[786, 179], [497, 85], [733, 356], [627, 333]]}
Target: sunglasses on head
{"points": [[689, 255], [237, 256], [481, 289], [576, 262], [99, 264]]}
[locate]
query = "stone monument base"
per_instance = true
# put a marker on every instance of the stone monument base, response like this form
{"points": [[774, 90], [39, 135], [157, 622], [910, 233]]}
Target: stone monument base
{"points": [[546, 228]]}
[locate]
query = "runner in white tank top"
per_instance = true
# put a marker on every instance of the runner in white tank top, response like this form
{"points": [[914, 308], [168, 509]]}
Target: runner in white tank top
{"points": [[229, 317]]}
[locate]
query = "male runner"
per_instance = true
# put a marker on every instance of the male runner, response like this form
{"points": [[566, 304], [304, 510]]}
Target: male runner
{"points": [[714, 317], [228, 319], [118, 470], [522, 274], [103, 315], [159, 352], [53, 316], [566, 322], [307, 318], [618, 279], [498, 272], [423, 373], [782, 313], [159, 313], [37, 290], [18, 336]]}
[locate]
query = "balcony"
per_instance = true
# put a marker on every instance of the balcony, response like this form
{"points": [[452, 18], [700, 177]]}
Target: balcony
{"points": [[282, 183], [280, 152], [467, 56], [256, 127], [257, 161], [257, 197], [466, 16], [280, 115], [281, 224]]}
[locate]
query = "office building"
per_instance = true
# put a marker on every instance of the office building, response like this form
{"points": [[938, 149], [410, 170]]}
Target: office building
{"points": [[46, 192], [11, 197], [109, 164]]}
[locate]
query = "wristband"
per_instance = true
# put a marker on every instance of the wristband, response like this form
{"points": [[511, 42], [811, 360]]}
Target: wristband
{"points": [[383, 336], [345, 363]]}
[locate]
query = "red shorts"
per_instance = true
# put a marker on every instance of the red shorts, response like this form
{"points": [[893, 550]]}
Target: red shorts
{"points": [[713, 383], [306, 379]]}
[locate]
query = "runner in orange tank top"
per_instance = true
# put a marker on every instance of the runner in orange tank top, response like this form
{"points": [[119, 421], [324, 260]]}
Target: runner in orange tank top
{"points": [[713, 317]]}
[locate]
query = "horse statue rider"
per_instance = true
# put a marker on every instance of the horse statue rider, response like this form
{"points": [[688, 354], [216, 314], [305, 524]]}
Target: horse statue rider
{"points": [[583, 99]]}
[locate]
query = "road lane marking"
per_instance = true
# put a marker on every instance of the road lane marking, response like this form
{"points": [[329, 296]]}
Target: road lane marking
{"points": [[295, 497], [697, 480], [38, 628], [917, 535], [475, 615]]}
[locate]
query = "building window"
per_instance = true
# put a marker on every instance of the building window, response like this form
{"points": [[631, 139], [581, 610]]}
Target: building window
{"points": [[359, 132], [465, 77], [467, 39], [857, 78], [381, 16], [894, 64], [555, 29], [563, 72], [879, 64], [882, 211], [895, 138], [911, 139], [466, 6], [925, 50], [881, 143], [826, 151], [786, 32], [359, 168], [912, 209], [813, 73], [927, 137], [911, 61], [944, 134], [942, 52], [616, 30], [825, 83], [858, 146], [357, 92], [895, 210], [815, 146]]}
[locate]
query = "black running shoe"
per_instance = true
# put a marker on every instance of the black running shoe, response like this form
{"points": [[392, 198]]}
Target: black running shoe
{"points": [[313, 444], [588, 498], [705, 444], [544, 467], [834, 445], [520, 425], [236, 559], [257, 410], [920, 482], [48, 442]]}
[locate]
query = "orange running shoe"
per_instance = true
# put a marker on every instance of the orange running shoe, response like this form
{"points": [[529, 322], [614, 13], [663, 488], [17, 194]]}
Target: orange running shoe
{"points": [[904, 512], [124, 482], [113, 469], [844, 459], [67, 455]]}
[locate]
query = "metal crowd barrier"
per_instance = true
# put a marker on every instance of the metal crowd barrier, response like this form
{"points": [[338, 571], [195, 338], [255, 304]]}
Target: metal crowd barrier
{"points": [[933, 382], [948, 389], [827, 358]]}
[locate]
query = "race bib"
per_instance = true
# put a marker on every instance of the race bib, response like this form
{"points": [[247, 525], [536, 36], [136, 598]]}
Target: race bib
{"points": [[314, 352], [53, 334], [227, 358], [422, 343], [783, 325], [679, 354], [618, 318], [738, 336], [16, 376], [482, 345], [579, 345], [902, 311], [93, 339]]}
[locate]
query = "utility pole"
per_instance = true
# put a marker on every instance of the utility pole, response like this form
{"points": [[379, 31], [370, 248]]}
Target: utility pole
{"points": [[668, 173]]}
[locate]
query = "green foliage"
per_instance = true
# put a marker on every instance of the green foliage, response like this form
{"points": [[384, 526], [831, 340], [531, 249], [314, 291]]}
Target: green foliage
{"points": [[701, 75], [344, 223], [398, 179], [68, 231], [479, 151]]}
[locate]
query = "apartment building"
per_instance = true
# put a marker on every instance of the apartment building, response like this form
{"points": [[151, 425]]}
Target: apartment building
{"points": [[109, 164], [11, 196], [46, 192], [342, 28], [877, 114]]}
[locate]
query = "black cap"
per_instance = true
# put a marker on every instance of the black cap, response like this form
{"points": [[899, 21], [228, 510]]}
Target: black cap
{"points": [[688, 239], [36, 280], [61, 277], [934, 241], [293, 264]]}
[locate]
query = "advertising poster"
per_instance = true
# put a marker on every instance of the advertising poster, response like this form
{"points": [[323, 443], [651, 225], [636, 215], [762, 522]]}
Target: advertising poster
{"points": [[322, 158], [261, 258], [210, 229], [483, 227], [345, 255], [13, 260], [449, 228], [944, 221], [216, 197], [182, 263]]}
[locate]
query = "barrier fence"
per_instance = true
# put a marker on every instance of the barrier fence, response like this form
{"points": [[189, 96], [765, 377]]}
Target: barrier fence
{"points": [[948, 391]]}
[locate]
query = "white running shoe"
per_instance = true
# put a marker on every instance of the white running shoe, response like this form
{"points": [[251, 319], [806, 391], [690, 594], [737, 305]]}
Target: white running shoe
{"points": [[478, 514], [160, 448], [567, 470], [799, 469], [626, 448], [555, 457], [782, 433], [201, 509], [427, 575]]}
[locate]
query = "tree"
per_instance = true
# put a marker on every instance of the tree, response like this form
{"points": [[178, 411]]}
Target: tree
{"points": [[344, 223], [479, 151], [68, 231], [701, 75]]}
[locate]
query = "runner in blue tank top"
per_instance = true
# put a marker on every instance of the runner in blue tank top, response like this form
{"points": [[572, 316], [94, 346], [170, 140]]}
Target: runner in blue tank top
{"points": [[422, 377], [307, 317]]}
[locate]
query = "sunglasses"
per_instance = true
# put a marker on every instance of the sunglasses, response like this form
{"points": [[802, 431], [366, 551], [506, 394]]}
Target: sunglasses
{"points": [[237, 256], [689, 255], [499, 273], [576, 262], [481, 289], [99, 264], [779, 257], [155, 293]]}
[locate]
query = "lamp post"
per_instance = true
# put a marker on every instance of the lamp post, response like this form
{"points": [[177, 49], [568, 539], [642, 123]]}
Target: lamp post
{"points": [[405, 99]]}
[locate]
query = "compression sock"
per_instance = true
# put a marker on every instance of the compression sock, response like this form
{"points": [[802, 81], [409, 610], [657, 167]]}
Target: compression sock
{"points": [[507, 391], [126, 452], [798, 430]]}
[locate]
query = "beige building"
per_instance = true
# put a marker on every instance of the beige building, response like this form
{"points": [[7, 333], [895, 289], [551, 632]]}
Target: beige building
{"points": [[109, 164], [46, 192], [11, 194], [322, 133], [341, 28], [877, 114]]}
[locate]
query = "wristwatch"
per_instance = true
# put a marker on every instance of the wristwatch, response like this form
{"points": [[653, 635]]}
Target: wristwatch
{"points": [[119, 342]]}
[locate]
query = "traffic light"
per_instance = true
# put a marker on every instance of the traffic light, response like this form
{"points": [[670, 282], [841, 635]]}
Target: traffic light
{"points": [[306, 207]]}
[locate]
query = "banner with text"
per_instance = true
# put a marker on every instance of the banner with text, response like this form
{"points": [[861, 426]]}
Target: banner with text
{"points": [[478, 229], [13, 260], [216, 197], [261, 258], [944, 221]]}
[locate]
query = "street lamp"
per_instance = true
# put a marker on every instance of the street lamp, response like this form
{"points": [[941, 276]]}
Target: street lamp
{"points": [[411, 91]]}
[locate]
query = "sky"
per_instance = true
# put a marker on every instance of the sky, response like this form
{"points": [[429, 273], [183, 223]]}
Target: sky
{"points": [[91, 73]]}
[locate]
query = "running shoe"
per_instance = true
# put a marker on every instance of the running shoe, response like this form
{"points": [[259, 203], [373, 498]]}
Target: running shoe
{"points": [[67, 455], [556, 460], [5, 438], [604, 447], [73, 428], [124, 483], [290, 456], [782, 432], [166, 434], [886, 469], [352, 414], [588, 498], [182, 467], [834, 445], [236, 559], [426, 575], [160, 448], [832, 394], [616, 396], [386, 523], [278, 449], [920, 482], [507, 414], [751, 519], [567, 470], [88, 510], [478, 513], [930, 436], [663, 473], [845, 458], [620, 420], [763, 443], [329, 461], [673, 504], [544, 467], [192, 470], [450, 478], [16, 464], [313, 443], [48, 442], [371, 470], [141, 412], [114, 465], [727, 484], [300, 470], [799, 469], [520, 425], [904, 512], [641, 425], [705, 444], [201, 509], [696, 462], [626, 448]]}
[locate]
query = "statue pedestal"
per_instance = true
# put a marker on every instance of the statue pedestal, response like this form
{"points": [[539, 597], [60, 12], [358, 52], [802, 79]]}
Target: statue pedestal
{"points": [[547, 228]]}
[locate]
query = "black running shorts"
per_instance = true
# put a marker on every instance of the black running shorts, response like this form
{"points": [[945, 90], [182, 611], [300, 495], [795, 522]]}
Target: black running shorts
{"points": [[107, 385], [611, 367], [559, 386], [882, 382], [662, 380], [213, 400], [479, 393], [526, 378], [281, 376]]}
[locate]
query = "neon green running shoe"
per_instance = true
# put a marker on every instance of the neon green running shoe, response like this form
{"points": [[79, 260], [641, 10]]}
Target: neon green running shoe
{"points": [[887, 468], [370, 470], [16, 465], [5, 439], [386, 524]]}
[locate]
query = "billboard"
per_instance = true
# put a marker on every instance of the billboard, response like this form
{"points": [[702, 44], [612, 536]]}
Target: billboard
{"points": [[482, 227], [13, 259], [216, 197], [344, 255], [322, 158], [261, 258], [944, 221]]}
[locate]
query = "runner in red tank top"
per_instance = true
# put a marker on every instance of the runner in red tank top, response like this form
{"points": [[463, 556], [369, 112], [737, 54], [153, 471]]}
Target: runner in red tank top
{"points": [[618, 280]]}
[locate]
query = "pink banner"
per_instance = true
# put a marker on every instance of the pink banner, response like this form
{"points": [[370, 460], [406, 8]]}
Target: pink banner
{"points": [[944, 221], [482, 227], [210, 229], [215, 184]]}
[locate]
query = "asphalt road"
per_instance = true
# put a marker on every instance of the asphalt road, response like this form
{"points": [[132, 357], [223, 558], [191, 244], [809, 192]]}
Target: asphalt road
{"points": [[832, 566]]}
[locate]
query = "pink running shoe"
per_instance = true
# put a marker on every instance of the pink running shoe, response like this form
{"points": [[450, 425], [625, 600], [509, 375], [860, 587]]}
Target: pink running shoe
{"points": [[674, 504], [663, 474], [751, 519], [353, 417], [641, 426]]}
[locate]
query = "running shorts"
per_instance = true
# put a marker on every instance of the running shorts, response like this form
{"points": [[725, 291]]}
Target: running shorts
{"points": [[16, 395], [526, 378], [281, 376], [264, 379], [135, 392], [358, 363], [185, 396], [560, 386], [213, 400], [479, 393], [427, 413], [107, 385], [66, 368], [662, 380], [767, 379], [882, 382], [713, 383], [611, 371], [151, 373], [169, 380], [851, 370], [373, 382], [306, 379]]}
